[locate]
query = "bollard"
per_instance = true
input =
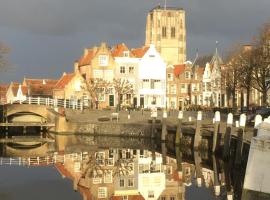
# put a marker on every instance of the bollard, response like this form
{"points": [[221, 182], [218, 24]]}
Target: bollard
{"points": [[198, 137], [128, 116], [164, 132], [190, 119], [179, 134], [228, 183], [216, 131], [258, 121], [240, 142], [227, 137]]}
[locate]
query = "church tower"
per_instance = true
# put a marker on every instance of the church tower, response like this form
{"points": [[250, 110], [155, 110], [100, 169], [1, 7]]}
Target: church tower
{"points": [[166, 29]]}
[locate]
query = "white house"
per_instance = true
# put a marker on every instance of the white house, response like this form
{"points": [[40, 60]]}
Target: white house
{"points": [[151, 77], [16, 93], [127, 68]]}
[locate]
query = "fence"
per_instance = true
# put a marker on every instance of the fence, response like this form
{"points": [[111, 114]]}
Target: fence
{"points": [[42, 161], [64, 103]]}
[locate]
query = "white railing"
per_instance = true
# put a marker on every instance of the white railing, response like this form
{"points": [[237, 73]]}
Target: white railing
{"points": [[42, 161], [64, 103]]}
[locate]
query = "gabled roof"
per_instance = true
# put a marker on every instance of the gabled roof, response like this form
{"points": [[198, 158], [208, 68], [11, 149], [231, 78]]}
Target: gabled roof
{"points": [[119, 49], [179, 69], [15, 86], [86, 59], [130, 197], [40, 81], [139, 52], [64, 80]]}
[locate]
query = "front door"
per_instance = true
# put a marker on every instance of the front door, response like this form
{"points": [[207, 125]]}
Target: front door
{"points": [[142, 102], [135, 102], [111, 100]]}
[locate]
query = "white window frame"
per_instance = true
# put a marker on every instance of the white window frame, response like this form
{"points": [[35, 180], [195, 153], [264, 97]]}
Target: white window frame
{"points": [[103, 60], [102, 192], [122, 70]]}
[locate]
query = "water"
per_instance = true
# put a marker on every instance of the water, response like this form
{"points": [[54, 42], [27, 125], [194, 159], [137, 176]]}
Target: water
{"points": [[86, 167]]}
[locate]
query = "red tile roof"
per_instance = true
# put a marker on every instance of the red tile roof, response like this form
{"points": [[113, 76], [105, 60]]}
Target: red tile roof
{"points": [[86, 59], [64, 80], [130, 197], [40, 87], [40, 81], [139, 52], [200, 70], [119, 49], [179, 69]]}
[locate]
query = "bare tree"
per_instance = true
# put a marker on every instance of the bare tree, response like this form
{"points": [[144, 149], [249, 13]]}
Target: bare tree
{"points": [[230, 74], [96, 88], [4, 51], [261, 62], [122, 87]]}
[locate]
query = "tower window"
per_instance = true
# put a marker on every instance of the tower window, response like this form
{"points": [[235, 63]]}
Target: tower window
{"points": [[164, 32], [172, 32]]}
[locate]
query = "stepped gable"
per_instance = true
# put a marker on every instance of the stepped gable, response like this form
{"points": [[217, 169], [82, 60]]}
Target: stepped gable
{"points": [[119, 49]]}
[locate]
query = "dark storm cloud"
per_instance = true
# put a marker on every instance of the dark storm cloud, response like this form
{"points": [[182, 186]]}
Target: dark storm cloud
{"points": [[46, 36]]}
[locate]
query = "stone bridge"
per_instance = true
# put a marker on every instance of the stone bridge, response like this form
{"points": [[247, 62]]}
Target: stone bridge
{"points": [[26, 112]]}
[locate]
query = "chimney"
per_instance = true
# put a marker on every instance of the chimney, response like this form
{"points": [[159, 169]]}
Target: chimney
{"points": [[44, 82], [85, 52], [76, 67]]}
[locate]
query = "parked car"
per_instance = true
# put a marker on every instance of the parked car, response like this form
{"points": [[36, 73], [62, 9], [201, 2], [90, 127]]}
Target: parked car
{"points": [[264, 112]]}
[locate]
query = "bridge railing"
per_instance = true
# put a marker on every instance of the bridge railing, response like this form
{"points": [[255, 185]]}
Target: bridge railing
{"points": [[64, 103], [41, 161]]}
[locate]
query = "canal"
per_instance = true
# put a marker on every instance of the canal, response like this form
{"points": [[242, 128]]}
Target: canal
{"points": [[88, 167]]}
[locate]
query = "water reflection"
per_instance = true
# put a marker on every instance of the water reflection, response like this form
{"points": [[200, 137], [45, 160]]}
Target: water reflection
{"points": [[121, 168]]}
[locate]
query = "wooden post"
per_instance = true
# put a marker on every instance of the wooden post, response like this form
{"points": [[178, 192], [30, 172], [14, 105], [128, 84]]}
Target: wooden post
{"points": [[227, 137], [153, 127], [216, 131], [65, 103], [228, 182], [179, 134], [240, 137], [164, 132], [198, 137], [24, 130], [178, 155], [29, 100], [38, 100], [258, 121]]}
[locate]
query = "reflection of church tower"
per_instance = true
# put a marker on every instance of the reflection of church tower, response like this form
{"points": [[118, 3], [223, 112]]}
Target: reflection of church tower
{"points": [[166, 29]]}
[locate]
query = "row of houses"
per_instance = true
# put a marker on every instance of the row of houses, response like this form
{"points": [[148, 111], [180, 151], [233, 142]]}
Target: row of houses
{"points": [[153, 82]]}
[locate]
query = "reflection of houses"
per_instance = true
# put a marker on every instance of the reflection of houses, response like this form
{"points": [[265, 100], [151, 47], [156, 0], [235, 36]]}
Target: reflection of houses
{"points": [[16, 93], [152, 77], [3, 92]]}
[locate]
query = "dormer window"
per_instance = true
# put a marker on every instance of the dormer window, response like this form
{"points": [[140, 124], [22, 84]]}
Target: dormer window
{"points": [[126, 53], [187, 75], [103, 60]]}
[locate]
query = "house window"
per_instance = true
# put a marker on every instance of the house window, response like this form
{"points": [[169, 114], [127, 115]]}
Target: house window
{"points": [[108, 177], [172, 32], [164, 32], [108, 75], [151, 194], [122, 70], [146, 83], [97, 180], [84, 76], [126, 53], [163, 198], [187, 75], [102, 192], [103, 60], [131, 70], [125, 198], [183, 88], [130, 182], [100, 157], [157, 84], [172, 198], [122, 183], [98, 74], [170, 76], [173, 89]]}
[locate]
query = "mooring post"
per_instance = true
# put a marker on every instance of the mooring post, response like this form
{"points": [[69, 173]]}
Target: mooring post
{"points": [[198, 137], [164, 127], [228, 182], [240, 142], [198, 160], [216, 176], [153, 116], [6, 131], [216, 131], [258, 121], [227, 137], [179, 134]]}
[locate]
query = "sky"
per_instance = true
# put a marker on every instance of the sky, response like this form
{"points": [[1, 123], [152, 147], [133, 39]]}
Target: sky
{"points": [[47, 36]]}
